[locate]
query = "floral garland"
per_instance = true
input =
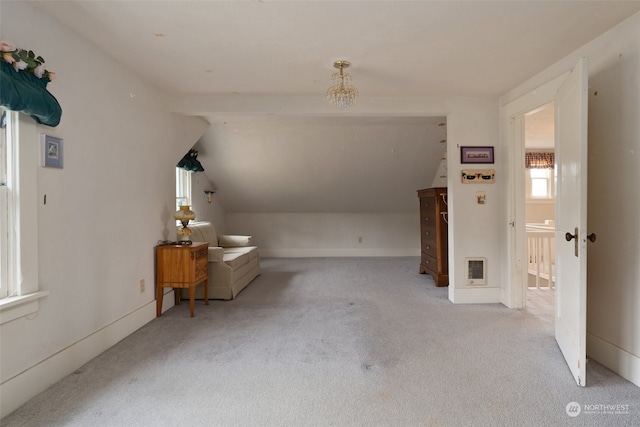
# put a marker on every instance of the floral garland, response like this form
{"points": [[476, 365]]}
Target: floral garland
{"points": [[25, 60]]}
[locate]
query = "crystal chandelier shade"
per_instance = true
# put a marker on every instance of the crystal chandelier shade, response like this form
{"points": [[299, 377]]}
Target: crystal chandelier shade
{"points": [[341, 92]]}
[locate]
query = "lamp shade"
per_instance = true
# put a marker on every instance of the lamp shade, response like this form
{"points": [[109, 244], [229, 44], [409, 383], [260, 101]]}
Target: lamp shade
{"points": [[184, 214]]}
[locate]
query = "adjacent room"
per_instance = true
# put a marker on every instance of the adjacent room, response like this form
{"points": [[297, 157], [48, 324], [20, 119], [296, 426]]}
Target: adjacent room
{"points": [[540, 208], [400, 213]]}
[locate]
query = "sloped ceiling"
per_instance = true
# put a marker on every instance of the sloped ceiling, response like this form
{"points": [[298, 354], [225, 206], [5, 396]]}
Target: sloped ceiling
{"points": [[321, 164], [270, 158]]}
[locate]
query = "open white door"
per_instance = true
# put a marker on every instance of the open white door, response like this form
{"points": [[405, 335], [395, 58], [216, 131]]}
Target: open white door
{"points": [[571, 219]]}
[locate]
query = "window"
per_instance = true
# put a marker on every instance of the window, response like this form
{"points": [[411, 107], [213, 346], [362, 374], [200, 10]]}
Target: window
{"points": [[540, 184], [19, 218], [183, 187], [540, 179]]}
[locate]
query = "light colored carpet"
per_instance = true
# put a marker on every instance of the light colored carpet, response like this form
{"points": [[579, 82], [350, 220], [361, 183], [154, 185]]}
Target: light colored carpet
{"points": [[541, 303], [334, 342]]}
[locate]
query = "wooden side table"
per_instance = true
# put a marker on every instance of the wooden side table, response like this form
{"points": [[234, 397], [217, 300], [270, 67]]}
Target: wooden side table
{"points": [[182, 266]]}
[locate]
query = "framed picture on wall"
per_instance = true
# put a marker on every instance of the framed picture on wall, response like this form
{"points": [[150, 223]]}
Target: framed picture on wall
{"points": [[476, 154], [52, 153]]}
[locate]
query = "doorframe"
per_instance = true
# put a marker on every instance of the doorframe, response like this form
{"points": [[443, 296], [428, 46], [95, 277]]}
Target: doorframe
{"points": [[512, 126]]}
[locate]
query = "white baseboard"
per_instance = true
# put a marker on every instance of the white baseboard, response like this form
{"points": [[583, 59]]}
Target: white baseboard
{"points": [[21, 388], [327, 253], [621, 362], [477, 295]]}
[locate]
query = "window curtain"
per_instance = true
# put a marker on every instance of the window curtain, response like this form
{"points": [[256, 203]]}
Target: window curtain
{"points": [[190, 162], [28, 94], [539, 160]]}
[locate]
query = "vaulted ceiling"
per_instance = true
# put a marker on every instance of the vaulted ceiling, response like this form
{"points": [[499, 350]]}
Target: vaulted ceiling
{"points": [[246, 52]]}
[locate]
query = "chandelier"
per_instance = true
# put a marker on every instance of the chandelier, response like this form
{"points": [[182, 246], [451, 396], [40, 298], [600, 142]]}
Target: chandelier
{"points": [[342, 93]]}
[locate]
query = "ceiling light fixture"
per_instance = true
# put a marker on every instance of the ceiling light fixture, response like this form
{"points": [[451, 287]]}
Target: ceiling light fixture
{"points": [[342, 93]]}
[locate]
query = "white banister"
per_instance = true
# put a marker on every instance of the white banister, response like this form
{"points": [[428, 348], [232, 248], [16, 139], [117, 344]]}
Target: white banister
{"points": [[540, 253]]}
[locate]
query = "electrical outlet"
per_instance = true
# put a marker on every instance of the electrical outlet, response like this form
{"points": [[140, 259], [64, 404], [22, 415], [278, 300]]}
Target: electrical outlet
{"points": [[141, 285]]}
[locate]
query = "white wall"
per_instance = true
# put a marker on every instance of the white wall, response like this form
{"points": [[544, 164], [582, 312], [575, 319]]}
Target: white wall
{"points": [[330, 234], [613, 289], [475, 230], [538, 212], [324, 186], [105, 210], [213, 211]]}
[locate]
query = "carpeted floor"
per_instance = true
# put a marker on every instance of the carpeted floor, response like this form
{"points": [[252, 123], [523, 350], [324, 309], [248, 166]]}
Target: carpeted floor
{"points": [[541, 303], [336, 342]]}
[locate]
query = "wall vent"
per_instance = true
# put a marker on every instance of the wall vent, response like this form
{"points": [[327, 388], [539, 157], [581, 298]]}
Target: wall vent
{"points": [[476, 271]]}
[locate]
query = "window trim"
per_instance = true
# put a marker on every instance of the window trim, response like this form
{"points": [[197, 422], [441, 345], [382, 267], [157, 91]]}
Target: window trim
{"points": [[4, 246], [4, 212]]}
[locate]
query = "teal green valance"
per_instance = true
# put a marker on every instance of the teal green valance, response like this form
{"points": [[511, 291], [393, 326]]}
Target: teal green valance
{"points": [[28, 94], [190, 162]]}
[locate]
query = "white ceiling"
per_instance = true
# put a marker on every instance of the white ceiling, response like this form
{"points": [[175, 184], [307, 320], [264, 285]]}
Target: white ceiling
{"points": [[407, 49], [397, 48], [539, 128]]}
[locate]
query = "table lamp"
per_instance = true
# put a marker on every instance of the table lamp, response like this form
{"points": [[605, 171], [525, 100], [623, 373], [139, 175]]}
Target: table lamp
{"points": [[184, 215]]}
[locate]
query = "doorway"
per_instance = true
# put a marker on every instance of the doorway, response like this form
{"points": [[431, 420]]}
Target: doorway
{"points": [[539, 256], [569, 94]]}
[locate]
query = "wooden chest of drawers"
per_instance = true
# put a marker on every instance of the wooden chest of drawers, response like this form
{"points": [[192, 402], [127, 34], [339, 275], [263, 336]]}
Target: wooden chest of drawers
{"points": [[182, 266], [434, 234]]}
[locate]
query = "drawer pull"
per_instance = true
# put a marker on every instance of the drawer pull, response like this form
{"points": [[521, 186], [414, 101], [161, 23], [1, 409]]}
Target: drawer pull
{"points": [[428, 247], [426, 219], [427, 233]]}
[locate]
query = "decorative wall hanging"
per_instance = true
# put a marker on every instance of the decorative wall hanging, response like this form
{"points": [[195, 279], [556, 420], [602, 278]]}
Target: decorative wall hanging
{"points": [[52, 153], [478, 176], [23, 85], [476, 154]]}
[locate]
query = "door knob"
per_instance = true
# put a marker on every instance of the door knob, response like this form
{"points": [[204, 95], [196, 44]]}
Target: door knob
{"points": [[568, 236], [592, 237]]}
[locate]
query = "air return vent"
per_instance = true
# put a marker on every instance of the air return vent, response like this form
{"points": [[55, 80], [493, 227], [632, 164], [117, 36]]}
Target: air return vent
{"points": [[476, 271]]}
